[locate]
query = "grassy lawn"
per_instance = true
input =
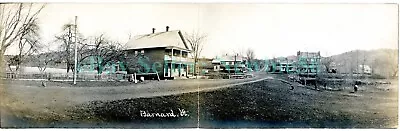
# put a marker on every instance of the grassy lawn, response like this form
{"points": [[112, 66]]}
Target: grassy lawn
{"points": [[266, 104], [270, 104]]}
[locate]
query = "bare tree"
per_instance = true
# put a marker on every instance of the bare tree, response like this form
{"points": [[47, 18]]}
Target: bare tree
{"points": [[364, 60], [66, 38], [239, 52], [196, 41], [42, 61], [374, 65], [327, 63], [250, 56], [103, 51], [133, 65], [392, 62], [28, 43], [15, 20]]}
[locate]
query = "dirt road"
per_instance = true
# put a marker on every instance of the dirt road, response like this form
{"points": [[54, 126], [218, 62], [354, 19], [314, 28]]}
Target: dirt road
{"points": [[30, 99], [32, 93]]}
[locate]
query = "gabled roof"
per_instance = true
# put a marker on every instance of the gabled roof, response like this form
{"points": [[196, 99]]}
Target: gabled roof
{"points": [[227, 58], [172, 39], [308, 54]]}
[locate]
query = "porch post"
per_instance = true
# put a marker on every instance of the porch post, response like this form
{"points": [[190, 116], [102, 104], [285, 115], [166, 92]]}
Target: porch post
{"points": [[180, 56], [187, 66], [187, 69], [180, 65], [172, 59]]}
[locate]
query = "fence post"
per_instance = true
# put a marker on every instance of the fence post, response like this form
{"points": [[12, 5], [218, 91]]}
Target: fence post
{"points": [[49, 76], [134, 78]]}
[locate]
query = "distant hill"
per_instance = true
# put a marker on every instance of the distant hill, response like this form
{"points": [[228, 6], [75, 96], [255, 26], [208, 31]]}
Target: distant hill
{"points": [[382, 61], [34, 60]]}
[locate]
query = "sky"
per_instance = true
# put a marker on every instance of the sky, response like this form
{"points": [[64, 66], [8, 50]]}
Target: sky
{"points": [[271, 30]]}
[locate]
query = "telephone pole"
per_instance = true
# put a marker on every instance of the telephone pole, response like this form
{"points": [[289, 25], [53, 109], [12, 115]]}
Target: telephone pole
{"points": [[358, 72], [76, 56]]}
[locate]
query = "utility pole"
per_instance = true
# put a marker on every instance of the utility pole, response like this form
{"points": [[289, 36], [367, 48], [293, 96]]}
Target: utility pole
{"points": [[357, 65], [351, 67], [76, 56], [363, 64]]}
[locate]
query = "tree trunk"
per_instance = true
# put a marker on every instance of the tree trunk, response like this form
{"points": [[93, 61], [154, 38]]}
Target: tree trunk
{"points": [[99, 65], [195, 68], [17, 67], [2, 62], [67, 49], [68, 67], [19, 61]]}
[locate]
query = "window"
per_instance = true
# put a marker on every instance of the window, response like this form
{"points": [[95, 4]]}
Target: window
{"points": [[142, 51], [136, 52], [168, 52], [176, 53], [184, 54]]}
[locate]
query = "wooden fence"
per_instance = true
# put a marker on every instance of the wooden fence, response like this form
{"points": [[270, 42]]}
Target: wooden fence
{"points": [[67, 77]]}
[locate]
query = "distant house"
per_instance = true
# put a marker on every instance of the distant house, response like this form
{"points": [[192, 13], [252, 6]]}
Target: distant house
{"points": [[308, 64], [204, 66], [165, 53], [287, 67], [229, 64], [364, 69], [90, 65], [282, 65]]}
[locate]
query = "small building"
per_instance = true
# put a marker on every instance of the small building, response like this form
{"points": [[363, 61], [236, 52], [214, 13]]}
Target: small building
{"points": [[287, 67], [229, 64], [282, 65], [165, 53], [364, 69], [204, 66], [308, 65]]}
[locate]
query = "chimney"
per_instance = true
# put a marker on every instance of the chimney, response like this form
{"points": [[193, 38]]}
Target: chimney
{"points": [[154, 29], [167, 28]]}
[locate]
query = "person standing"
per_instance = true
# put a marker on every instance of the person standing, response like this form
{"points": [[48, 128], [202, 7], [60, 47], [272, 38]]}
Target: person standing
{"points": [[315, 85], [355, 87]]}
